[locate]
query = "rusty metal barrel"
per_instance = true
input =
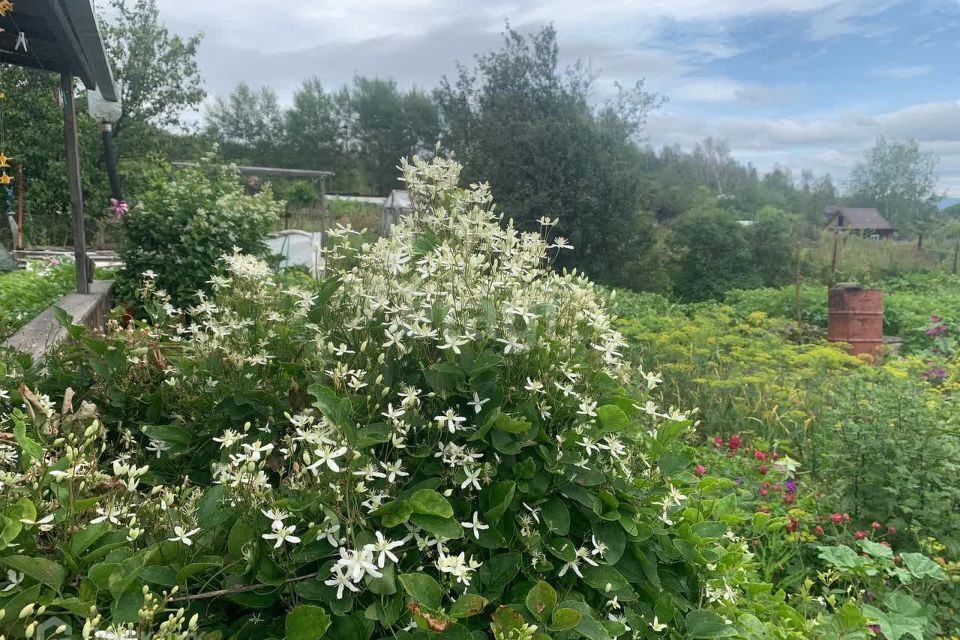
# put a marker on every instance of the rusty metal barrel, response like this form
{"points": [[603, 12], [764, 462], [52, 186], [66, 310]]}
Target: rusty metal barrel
{"points": [[855, 316]]}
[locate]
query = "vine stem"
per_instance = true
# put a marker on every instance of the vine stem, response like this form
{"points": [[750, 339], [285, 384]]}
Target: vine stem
{"points": [[239, 589]]}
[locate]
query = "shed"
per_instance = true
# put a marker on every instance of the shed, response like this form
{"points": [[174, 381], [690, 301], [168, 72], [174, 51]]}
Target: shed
{"points": [[61, 36], [866, 222], [397, 205]]}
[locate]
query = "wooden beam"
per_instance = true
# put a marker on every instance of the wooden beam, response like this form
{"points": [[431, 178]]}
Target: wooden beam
{"points": [[269, 171], [76, 184], [71, 46]]}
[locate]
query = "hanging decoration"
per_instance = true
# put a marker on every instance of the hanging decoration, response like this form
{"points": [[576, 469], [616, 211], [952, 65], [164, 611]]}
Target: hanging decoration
{"points": [[5, 178]]}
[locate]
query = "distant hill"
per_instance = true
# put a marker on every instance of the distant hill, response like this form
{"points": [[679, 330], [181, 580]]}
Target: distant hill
{"points": [[948, 202]]}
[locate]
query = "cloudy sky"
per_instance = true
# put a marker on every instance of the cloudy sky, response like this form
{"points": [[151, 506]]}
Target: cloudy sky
{"points": [[808, 84]]}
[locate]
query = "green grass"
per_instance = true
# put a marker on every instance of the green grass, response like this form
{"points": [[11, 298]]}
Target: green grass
{"points": [[25, 294]]}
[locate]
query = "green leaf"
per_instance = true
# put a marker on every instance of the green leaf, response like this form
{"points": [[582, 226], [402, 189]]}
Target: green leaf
{"points": [[213, 509], [306, 622], [496, 498], [612, 419], [541, 601], [563, 549], [876, 549], [40, 569], [31, 450], [423, 589], [468, 605], [904, 617], [672, 462], [85, 537], [394, 513], [335, 408], [508, 424], [506, 623], [556, 515], [840, 556], [607, 580], [920, 566], [445, 527], [497, 572], [430, 503], [707, 624], [564, 619], [171, 434], [588, 626]]}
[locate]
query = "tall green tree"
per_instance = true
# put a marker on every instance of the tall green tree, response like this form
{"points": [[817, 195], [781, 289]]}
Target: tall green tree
{"points": [[387, 124], [899, 179], [34, 138], [249, 123], [159, 77], [316, 127], [525, 125]]}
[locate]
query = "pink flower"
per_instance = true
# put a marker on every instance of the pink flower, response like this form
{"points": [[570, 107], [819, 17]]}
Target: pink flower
{"points": [[763, 493], [860, 535], [734, 443], [876, 526], [718, 441], [836, 518], [759, 455], [818, 531], [120, 209], [763, 469], [892, 531], [700, 471]]}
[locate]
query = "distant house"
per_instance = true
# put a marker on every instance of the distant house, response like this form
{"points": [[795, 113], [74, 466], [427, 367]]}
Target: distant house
{"points": [[396, 206], [865, 222]]}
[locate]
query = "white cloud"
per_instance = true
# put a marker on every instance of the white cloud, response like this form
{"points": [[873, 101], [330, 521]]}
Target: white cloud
{"points": [[831, 143], [723, 89], [902, 73]]}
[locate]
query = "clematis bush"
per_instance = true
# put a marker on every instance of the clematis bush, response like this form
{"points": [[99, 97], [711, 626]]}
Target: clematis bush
{"points": [[441, 439]]}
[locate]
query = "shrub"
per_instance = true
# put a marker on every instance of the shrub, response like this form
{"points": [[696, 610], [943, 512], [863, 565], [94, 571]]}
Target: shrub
{"points": [[459, 451], [742, 373], [185, 221]]}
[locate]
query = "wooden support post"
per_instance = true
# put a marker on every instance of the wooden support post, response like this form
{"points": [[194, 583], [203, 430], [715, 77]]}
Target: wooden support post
{"points": [[76, 185]]}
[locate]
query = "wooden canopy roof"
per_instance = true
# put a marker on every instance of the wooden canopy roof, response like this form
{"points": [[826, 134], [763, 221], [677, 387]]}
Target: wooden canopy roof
{"points": [[60, 36]]}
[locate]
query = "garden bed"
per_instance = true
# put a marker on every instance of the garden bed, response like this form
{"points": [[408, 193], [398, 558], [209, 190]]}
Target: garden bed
{"points": [[25, 294]]}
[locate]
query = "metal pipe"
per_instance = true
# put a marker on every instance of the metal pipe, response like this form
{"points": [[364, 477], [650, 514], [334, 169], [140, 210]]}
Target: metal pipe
{"points": [[110, 159], [76, 186]]}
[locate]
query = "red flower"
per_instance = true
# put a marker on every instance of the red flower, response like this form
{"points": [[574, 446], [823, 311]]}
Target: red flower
{"points": [[763, 469], [763, 493], [718, 441], [892, 531], [876, 526], [759, 455], [794, 524], [818, 531], [700, 471], [860, 535], [734, 443], [885, 543], [836, 518]]}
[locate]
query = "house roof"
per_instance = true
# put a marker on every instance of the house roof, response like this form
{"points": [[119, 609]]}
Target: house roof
{"points": [[61, 36], [859, 218]]}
